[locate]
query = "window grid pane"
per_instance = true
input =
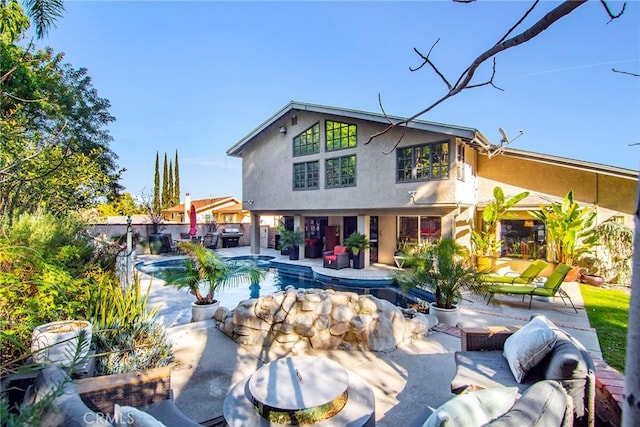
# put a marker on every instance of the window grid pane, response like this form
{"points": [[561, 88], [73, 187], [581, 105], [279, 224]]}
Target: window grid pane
{"points": [[308, 142], [423, 162], [340, 135], [340, 172], [305, 176], [405, 162]]}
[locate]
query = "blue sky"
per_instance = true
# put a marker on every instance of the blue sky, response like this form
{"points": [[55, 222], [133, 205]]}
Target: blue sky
{"points": [[199, 76]]}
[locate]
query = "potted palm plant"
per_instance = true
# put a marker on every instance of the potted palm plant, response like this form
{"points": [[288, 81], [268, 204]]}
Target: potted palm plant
{"points": [[443, 268], [292, 240], [207, 272], [356, 243]]}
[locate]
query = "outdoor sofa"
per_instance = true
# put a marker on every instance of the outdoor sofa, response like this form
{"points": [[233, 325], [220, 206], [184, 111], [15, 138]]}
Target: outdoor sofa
{"points": [[136, 398], [493, 357]]}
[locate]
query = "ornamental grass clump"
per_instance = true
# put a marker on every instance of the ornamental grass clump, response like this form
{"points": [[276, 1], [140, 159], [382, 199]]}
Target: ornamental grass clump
{"points": [[127, 336]]}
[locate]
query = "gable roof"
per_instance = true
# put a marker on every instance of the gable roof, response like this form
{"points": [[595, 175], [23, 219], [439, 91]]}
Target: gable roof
{"points": [[472, 136], [459, 131]]}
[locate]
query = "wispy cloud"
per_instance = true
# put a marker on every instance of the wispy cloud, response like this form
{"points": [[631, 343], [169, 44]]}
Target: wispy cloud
{"points": [[576, 67]]}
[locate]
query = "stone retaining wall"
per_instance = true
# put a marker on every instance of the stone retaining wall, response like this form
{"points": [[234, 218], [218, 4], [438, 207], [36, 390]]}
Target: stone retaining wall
{"points": [[322, 319]]}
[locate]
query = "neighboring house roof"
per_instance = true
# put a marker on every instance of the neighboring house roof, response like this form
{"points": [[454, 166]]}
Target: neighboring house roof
{"points": [[459, 131], [218, 203], [236, 207]]}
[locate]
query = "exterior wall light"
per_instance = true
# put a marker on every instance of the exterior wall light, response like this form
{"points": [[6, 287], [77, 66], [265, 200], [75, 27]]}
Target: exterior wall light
{"points": [[283, 129]]}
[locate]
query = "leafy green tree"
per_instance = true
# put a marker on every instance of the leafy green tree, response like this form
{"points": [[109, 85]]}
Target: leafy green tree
{"points": [[56, 151], [121, 206]]}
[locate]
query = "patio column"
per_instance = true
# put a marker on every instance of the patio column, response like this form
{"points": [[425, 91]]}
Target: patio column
{"points": [[364, 226], [298, 224], [255, 234]]}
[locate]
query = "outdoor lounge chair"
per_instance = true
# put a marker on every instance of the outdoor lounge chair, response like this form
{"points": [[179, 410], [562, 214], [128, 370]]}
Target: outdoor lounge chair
{"points": [[550, 289], [513, 278], [168, 243], [337, 259]]}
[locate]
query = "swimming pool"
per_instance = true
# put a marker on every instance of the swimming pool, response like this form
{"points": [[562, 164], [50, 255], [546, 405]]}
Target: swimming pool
{"points": [[278, 276]]}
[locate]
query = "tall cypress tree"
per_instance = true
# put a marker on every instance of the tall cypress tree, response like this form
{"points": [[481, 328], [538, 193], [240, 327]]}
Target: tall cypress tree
{"points": [[172, 201], [157, 202], [176, 181], [165, 184]]}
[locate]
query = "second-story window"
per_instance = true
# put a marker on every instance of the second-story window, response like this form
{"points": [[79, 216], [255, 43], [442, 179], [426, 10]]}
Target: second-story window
{"points": [[423, 162], [460, 162], [308, 142], [340, 172], [340, 135], [305, 175]]}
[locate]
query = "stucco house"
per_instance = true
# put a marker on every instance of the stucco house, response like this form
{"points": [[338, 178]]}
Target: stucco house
{"points": [[221, 210], [312, 165]]}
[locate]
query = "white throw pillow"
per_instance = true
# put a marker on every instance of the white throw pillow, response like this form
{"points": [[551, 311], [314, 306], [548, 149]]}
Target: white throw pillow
{"points": [[528, 346], [473, 409], [130, 416]]}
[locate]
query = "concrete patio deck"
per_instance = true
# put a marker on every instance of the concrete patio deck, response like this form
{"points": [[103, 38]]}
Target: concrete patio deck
{"points": [[407, 382]]}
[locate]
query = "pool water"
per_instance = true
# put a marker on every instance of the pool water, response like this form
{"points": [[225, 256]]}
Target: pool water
{"points": [[279, 276]]}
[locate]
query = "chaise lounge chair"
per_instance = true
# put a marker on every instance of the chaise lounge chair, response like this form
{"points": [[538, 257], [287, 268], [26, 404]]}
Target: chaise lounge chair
{"points": [[550, 289], [512, 278]]}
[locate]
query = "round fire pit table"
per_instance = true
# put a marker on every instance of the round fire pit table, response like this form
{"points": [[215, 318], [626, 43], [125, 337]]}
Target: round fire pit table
{"points": [[300, 390]]}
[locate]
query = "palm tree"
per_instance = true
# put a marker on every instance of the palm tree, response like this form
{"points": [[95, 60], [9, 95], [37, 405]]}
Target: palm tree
{"points": [[43, 13], [443, 268], [204, 265]]}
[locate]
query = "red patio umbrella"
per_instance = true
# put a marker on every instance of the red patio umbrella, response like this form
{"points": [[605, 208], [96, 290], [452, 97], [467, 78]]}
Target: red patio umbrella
{"points": [[193, 222]]}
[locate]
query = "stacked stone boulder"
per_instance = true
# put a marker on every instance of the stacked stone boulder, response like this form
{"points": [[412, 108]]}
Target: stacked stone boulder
{"points": [[322, 319]]}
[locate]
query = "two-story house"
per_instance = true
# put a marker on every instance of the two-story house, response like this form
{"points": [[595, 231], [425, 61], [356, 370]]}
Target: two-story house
{"points": [[312, 164]]}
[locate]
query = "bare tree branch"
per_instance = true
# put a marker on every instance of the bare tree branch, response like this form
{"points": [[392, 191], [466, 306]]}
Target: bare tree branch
{"points": [[517, 24], [611, 15], [465, 79], [625, 72]]}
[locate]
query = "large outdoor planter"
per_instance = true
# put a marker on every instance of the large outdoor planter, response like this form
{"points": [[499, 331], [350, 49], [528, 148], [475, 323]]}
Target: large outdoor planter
{"points": [[446, 316], [358, 261], [155, 243], [57, 342], [294, 253], [573, 275], [200, 312]]}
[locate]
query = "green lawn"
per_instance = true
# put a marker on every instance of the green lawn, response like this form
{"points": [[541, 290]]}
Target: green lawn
{"points": [[608, 311]]}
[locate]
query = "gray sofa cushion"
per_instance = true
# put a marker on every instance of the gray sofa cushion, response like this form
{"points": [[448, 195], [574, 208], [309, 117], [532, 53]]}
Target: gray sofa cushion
{"points": [[168, 413], [544, 404], [483, 369]]}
